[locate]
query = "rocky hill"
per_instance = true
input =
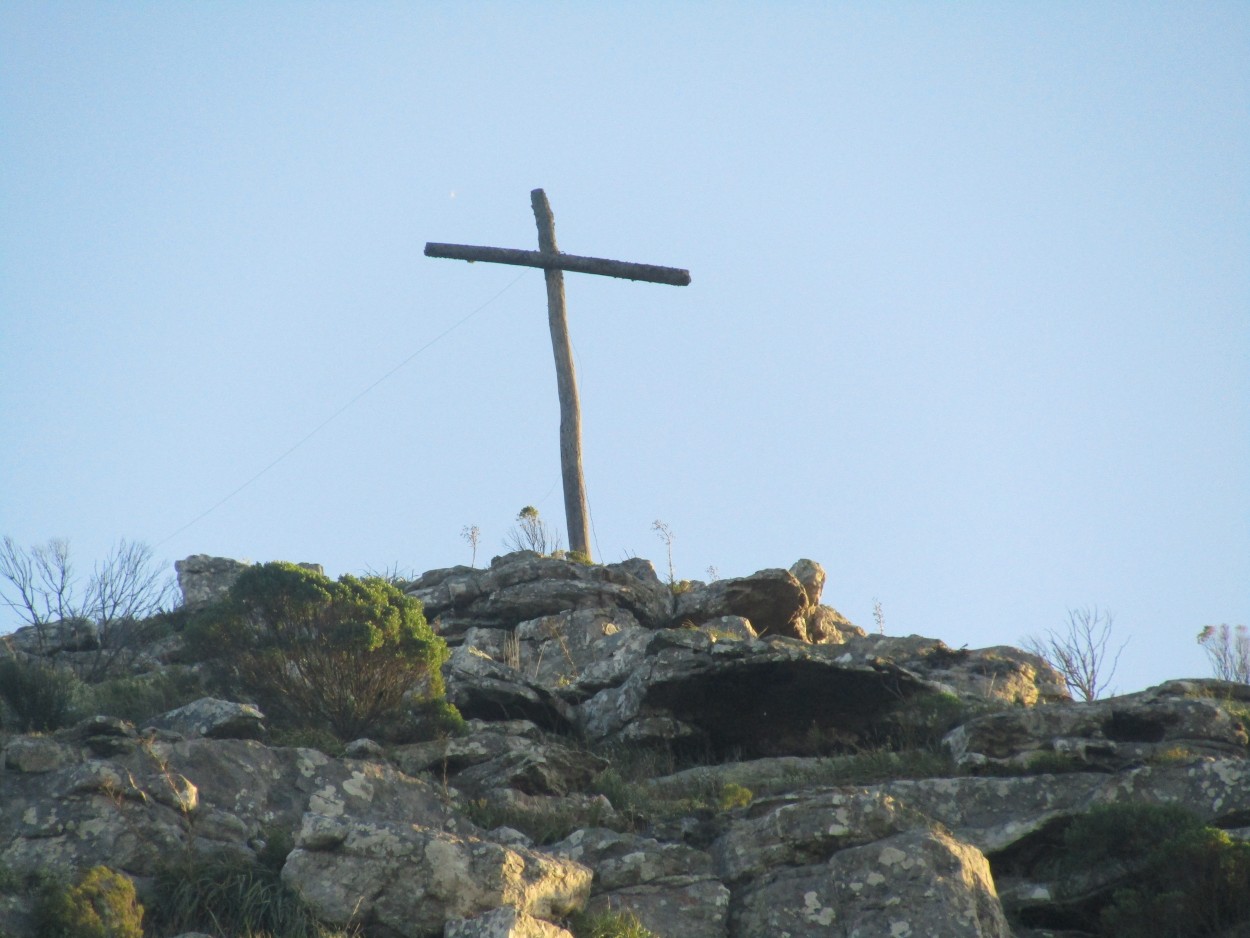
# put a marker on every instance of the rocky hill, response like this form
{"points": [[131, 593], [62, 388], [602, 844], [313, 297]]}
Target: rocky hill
{"points": [[722, 760]]}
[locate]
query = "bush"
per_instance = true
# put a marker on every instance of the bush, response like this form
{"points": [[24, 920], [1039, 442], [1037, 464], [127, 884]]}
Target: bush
{"points": [[142, 697], [38, 696], [313, 651], [1184, 879], [101, 905]]}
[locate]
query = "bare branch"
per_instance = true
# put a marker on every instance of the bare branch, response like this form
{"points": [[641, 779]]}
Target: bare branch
{"points": [[1080, 652]]}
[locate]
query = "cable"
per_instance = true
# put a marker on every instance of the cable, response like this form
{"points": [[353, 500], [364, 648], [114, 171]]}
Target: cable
{"points": [[321, 426]]}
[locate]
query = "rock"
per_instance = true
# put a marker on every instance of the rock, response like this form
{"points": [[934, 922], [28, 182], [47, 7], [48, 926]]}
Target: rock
{"points": [[804, 829], [52, 638], [752, 698], [1002, 674], [671, 888], [205, 580], [1174, 720], [507, 922], [734, 628], [534, 768], [413, 880], [828, 626], [812, 576], [37, 754], [774, 601], [917, 884], [214, 719], [522, 586], [483, 688]]}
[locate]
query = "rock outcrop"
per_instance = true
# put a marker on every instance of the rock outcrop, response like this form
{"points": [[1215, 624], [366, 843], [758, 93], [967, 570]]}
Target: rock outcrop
{"points": [[723, 760]]}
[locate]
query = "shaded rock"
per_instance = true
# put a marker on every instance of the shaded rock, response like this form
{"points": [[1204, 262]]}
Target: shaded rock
{"points": [[534, 768], [51, 638], [36, 754], [774, 601], [205, 580], [691, 908], [214, 719], [756, 698], [1173, 720], [411, 881], [918, 884], [507, 922], [483, 688]]}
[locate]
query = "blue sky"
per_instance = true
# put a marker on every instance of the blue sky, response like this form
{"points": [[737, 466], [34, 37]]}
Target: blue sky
{"points": [[969, 321]]}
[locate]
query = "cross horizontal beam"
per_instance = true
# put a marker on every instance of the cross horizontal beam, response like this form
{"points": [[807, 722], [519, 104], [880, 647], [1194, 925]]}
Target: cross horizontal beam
{"points": [[561, 261]]}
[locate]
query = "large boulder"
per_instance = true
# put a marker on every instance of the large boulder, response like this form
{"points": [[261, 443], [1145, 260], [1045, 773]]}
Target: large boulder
{"points": [[671, 888], [777, 696], [214, 718], [67, 808], [999, 674], [410, 880], [1174, 720], [205, 580], [917, 884], [523, 585], [774, 601]]}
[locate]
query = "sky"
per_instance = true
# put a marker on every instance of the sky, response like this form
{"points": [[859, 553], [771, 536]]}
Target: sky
{"points": [[969, 319]]}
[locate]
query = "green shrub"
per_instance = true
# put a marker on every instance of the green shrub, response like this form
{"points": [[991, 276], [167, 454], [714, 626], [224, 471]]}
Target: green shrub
{"points": [[38, 697], [101, 905], [228, 894], [144, 696], [345, 654], [1183, 879], [733, 796], [608, 925]]}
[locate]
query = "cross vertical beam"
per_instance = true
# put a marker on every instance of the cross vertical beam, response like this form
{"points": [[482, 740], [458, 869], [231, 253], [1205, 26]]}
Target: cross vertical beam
{"points": [[554, 263], [576, 511]]}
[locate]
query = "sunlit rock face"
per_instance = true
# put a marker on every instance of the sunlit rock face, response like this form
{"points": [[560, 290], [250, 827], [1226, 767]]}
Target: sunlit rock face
{"points": [[722, 760]]}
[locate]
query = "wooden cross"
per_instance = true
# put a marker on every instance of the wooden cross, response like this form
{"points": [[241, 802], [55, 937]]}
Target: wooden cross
{"points": [[554, 263]]}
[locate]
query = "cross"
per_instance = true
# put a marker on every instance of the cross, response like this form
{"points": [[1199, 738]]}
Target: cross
{"points": [[554, 263]]}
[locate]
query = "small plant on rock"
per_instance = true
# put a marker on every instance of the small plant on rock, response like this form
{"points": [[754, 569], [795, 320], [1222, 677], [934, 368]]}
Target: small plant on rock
{"points": [[1228, 648], [532, 533], [609, 924]]}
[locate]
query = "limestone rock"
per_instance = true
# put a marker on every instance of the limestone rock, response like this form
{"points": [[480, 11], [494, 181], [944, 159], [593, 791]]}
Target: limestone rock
{"points": [[806, 828], [916, 884], [522, 586], [670, 887], [774, 601], [484, 688], [757, 698], [1173, 720], [812, 576], [506, 922], [1003, 674], [205, 580], [52, 638], [413, 880], [213, 718]]}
